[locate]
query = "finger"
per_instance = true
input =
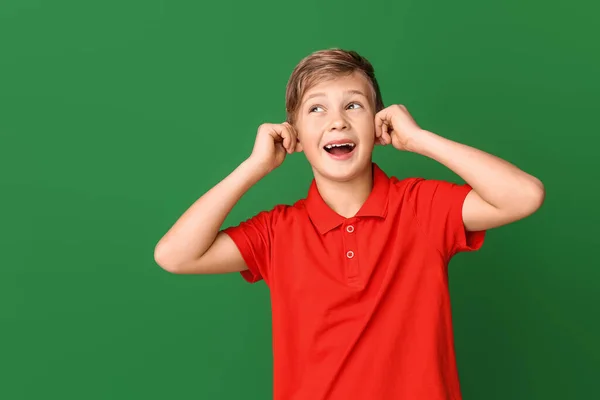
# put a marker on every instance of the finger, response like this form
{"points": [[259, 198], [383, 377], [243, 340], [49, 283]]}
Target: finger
{"points": [[297, 145], [378, 122], [379, 139], [385, 134], [293, 138], [287, 138], [275, 133], [381, 119], [387, 139]]}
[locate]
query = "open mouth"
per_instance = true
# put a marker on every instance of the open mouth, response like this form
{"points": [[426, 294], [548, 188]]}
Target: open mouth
{"points": [[340, 149]]}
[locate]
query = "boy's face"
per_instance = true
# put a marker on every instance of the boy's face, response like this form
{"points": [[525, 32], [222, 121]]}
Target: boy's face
{"points": [[336, 127]]}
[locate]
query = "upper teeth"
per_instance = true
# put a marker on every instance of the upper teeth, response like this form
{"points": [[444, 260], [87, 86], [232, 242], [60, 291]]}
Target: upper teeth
{"points": [[329, 146]]}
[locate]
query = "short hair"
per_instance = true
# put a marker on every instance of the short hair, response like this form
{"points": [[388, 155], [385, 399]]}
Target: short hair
{"points": [[327, 64]]}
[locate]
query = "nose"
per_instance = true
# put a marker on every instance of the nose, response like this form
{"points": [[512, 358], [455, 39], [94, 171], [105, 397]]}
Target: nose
{"points": [[338, 122]]}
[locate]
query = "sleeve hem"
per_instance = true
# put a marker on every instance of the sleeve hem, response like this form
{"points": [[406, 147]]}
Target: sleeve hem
{"points": [[252, 274], [465, 240]]}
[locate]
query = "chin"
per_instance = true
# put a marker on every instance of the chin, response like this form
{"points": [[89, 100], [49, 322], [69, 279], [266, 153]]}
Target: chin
{"points": [[344, 170]]}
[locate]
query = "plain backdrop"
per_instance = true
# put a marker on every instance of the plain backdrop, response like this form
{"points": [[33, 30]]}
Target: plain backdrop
{"points": [[116, 115]]}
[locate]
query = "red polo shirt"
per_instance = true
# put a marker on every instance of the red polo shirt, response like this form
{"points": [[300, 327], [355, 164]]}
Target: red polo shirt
{"points": [[360, 305]]}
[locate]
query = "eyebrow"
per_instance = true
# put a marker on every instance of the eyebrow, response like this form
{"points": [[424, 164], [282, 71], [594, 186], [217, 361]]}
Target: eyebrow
{"points": [[354, 91]]}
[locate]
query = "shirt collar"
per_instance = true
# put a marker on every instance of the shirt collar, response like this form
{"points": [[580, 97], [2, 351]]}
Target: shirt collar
{"points": [[325, 219]]}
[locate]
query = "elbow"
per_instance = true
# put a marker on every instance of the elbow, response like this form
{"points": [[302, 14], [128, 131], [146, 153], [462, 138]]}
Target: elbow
{"points": [[534, 198], [538, 195], [162, 257]]}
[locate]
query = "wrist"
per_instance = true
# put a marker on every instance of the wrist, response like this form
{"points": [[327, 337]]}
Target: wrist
{"points": [[420, 142], [255, 168]]}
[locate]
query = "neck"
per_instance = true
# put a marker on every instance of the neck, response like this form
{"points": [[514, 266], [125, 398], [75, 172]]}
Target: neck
{"points": [[346, 198]]}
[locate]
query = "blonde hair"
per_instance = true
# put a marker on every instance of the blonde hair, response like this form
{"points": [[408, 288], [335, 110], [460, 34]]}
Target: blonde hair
{"points": [[327, 64]]}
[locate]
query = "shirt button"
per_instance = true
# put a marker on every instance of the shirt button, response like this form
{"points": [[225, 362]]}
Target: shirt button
{"points": [[350, 254], [350, 229]]}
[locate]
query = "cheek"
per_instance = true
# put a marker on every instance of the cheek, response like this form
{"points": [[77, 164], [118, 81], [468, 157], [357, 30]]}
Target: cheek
{"points": [[366, 127], [314, 125], [309, 134]]}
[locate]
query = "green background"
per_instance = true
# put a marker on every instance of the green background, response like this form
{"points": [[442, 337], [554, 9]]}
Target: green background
{"points": [[116, 115]]}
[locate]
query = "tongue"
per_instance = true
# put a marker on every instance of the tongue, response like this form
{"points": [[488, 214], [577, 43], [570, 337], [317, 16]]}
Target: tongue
{"points": [[340, 150]]}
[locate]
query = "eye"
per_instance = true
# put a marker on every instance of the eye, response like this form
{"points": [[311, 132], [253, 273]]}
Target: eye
{"points": [[313, 109], [354, 105]]}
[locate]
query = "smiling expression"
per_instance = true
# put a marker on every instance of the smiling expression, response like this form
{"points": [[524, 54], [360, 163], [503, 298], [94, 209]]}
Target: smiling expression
{"points": [[335, 124]]}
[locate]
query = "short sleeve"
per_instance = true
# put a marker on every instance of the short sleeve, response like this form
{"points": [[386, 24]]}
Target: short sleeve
{"points": [[254, 238], [438, 208]]}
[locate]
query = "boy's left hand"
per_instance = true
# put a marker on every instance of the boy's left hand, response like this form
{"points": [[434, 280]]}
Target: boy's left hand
{"points": [[395, 125]]}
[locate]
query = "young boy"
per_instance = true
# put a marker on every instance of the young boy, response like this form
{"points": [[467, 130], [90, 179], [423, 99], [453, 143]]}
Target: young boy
{"points": [[357, 271]]}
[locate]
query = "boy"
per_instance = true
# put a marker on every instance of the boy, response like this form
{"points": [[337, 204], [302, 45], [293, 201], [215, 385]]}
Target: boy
{"points": [[357, 271]]}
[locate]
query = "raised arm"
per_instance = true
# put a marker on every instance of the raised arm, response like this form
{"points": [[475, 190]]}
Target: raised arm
{"points": [[195, 244], [502, 193]]}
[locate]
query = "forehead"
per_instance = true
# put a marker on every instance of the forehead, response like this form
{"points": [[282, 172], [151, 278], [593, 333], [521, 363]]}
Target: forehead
{"points": [[355, 82]]}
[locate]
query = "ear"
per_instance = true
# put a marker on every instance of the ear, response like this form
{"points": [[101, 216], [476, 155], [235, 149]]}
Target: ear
{"points": [[298, 148]]}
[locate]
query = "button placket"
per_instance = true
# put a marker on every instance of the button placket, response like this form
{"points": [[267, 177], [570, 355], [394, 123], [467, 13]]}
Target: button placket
{"points": [[350, 248]]}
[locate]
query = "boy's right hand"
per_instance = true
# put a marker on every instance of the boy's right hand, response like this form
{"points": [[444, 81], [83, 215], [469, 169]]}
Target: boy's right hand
{"points": [[273, 142]]}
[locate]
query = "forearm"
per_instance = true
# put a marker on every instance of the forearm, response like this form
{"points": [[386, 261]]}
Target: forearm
{"points": [[495, 180], [195, 231]]}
